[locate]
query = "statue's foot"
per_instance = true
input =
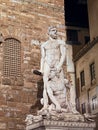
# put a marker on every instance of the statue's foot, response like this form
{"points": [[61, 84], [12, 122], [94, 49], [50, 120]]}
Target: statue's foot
{"points": [[43, 111], [75, 111], [58, 108], [64, 110]]}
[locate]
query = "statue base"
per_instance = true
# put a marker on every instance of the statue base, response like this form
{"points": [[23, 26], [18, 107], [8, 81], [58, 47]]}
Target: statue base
{"points": [[45, 124], [59, 121]]}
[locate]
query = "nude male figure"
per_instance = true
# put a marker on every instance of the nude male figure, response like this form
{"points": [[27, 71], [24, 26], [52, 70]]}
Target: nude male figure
{"points": [[53, 53]]}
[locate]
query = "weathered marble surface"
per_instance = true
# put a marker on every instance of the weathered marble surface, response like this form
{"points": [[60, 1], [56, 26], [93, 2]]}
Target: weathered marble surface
{"points": [[61, 125]]}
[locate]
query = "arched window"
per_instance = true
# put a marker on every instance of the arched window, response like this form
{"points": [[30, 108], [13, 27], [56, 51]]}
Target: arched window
{"points": [[12, 58]]}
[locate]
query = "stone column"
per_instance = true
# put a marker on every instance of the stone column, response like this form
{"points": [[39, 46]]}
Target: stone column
{"points": [[71, 71]]}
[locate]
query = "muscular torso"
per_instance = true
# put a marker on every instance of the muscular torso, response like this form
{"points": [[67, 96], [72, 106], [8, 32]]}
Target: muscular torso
{"points": [[52, 53]]}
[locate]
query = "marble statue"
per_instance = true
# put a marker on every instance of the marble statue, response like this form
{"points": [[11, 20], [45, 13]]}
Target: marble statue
{"points": [[53, 55], [57, 106]]}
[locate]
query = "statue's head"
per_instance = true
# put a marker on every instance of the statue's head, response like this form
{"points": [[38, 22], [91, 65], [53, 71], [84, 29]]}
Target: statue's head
{"points": [[52, 32]]}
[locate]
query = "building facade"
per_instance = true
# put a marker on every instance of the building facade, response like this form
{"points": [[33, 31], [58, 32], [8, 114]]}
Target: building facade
{"points": [[23, 27], [86, 77], [86, 63]]}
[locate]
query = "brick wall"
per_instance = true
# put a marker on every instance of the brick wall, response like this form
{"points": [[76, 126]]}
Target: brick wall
{"points": [[26, 21]]}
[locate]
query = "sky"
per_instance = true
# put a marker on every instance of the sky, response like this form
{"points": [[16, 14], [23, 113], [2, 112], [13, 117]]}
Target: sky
{"points": [[76, 13]]}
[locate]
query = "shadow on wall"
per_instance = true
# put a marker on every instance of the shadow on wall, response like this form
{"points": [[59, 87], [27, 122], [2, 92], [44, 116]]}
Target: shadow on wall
{"points": [[38, 105]]}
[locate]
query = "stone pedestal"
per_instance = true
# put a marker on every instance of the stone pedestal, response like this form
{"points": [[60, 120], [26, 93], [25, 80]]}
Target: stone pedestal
{"points": [[61, 125]]}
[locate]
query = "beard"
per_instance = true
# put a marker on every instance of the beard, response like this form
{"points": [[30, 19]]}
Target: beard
{"points": [[54, 36]]}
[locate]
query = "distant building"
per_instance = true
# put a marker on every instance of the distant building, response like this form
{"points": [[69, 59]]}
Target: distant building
{"points": [[77, 35], [86, 66]]}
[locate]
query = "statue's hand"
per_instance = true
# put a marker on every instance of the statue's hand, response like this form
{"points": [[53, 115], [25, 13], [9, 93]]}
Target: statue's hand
{"points": [[58, 108], [41, 72]]}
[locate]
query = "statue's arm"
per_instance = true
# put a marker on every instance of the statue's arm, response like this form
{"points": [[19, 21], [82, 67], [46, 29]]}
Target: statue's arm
{"points": [[63, 55], [42, 59]]}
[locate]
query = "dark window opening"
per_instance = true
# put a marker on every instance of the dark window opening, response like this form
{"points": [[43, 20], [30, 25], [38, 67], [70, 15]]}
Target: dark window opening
{"points": [[92, 71], [83, 108], [72, 37], [82, 79], [87, 39], [94, 102]]}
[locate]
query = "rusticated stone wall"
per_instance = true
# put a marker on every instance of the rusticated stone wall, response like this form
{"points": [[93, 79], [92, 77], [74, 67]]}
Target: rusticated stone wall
{"points": [[23, 21]]}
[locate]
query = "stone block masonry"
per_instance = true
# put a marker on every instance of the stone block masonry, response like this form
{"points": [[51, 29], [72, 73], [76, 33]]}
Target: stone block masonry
{"points": [[22, 21]]}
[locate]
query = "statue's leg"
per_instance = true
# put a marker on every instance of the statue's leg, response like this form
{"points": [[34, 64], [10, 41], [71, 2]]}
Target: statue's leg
{"points": [[45, 96], [53, 99], [45, 79]]}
